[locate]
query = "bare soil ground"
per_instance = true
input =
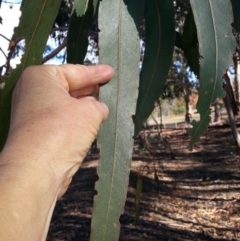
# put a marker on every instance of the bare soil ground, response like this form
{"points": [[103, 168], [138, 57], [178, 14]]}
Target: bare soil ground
{"points": [[187, 196]]}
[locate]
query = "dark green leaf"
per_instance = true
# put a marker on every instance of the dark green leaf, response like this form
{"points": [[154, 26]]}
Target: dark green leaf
{"points": [[213, 19], [178, 40], [34, 27], [119, 47], [190, 43], [81, 20], [160, 39]]}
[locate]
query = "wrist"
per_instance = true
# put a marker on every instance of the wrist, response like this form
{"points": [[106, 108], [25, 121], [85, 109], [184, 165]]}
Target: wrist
{"points": [[28, 196]]}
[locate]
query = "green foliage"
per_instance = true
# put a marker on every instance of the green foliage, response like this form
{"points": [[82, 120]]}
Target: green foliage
{"points": [[119, 47], [190, 43], [160, 39], [213, 19], [207, 37], [35, 33], [179, 108], [81, 20]]}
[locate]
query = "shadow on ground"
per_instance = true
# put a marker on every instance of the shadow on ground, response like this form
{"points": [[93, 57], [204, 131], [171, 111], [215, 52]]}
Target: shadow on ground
{"points": [[194, 197]]}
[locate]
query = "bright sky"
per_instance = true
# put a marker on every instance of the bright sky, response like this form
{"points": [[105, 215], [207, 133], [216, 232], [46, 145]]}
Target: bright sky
{"points": [[10, 19], [10, 13]]}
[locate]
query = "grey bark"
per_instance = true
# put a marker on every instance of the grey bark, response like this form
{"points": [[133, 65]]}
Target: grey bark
{"points": [[231, 107]]}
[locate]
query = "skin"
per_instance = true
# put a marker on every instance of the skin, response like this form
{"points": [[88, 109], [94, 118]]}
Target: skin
{"points": [[53, 123]]}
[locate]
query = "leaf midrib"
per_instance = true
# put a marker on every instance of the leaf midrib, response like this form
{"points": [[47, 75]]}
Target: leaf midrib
{"points": [[32, 36], [216, 58], [116, 135]]}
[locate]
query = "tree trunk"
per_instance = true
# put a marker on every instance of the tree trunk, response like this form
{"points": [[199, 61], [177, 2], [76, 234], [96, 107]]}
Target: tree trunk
{"points": [[237, 77], [187, 93], [231, 110]]}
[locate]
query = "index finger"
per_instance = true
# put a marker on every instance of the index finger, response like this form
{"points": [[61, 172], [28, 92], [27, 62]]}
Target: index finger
{"points": [[80, 76]]}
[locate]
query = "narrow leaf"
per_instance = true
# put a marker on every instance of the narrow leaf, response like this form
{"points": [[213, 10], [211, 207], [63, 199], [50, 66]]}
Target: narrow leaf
{"points": [[190, 43], [119, 47], [34, 27], [213, 19], [81, 20], [160, 40]]}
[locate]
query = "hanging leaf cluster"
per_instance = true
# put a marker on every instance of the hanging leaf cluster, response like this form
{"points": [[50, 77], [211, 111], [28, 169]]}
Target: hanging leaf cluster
{"points": [[208, 45]]}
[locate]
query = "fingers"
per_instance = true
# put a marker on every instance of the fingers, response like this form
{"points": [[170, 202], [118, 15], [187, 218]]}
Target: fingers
{"points": [[85, 91], [72, 77], [80, 76], [105, 111]]}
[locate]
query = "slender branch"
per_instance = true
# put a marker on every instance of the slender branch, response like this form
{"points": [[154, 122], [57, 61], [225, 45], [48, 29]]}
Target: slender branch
{"points": [[159, 127], [55, 51], [60, 29], [5, 38], [3, 52], [229, 107]]}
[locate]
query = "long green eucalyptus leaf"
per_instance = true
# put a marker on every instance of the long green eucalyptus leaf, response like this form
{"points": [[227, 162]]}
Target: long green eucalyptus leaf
{"points": [[81, 20], [160, 39], [190, 43], [34, 27], [119, 47], [213, 19]]}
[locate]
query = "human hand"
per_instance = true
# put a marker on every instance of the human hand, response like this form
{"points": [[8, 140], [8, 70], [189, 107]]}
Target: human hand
{"points": [[53, 120]]}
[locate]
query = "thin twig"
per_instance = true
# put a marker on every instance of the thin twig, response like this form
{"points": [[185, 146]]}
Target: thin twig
{"points": [[5, 37], [3, 52], [59, 29], [55, 51], [165, 142]]}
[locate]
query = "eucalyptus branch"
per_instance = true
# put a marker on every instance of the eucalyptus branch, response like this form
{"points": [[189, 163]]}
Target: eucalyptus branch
{"points": [[5, 37], [55, 51], [3, 52], [60, 29]]}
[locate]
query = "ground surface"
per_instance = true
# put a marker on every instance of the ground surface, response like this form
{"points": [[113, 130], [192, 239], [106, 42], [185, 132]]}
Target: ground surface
{"points": [[195, 196]]}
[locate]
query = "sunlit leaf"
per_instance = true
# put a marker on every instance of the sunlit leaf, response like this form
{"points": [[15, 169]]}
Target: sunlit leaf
{"points": [[213, 19], [119, 47]]}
